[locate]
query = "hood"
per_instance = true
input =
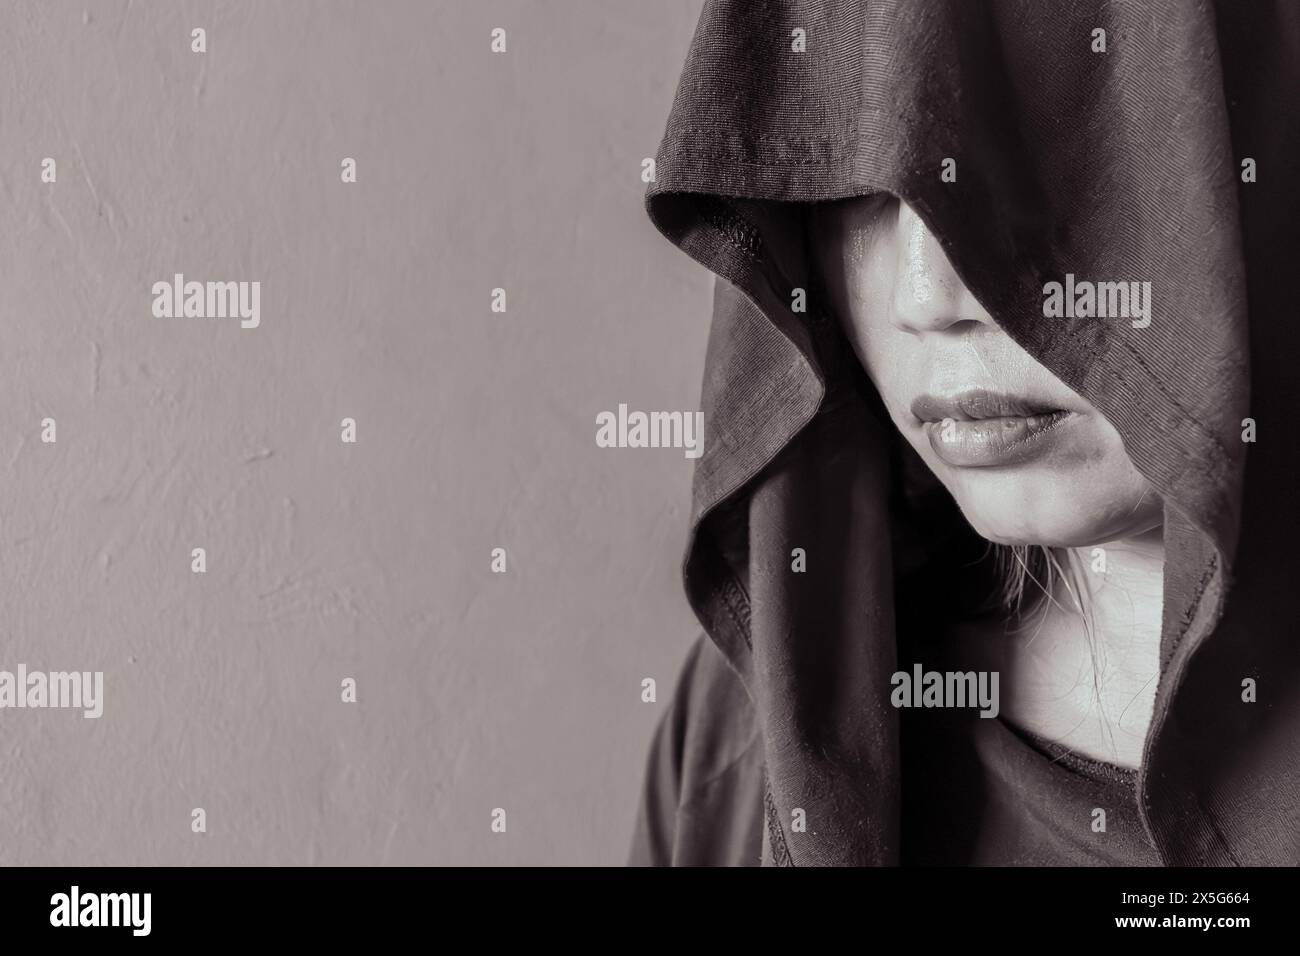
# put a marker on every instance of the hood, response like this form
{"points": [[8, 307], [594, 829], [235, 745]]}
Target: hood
{"points": [[1122, 164]]}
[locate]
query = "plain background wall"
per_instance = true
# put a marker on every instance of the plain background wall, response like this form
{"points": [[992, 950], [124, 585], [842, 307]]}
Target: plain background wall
{"points": [[475, 430]]}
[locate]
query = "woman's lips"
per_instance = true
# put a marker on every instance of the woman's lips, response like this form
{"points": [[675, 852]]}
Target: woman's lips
{"points": [[984, 429]]}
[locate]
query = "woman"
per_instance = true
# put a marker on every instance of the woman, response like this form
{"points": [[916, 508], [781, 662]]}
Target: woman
{"points": [[986, 547]]}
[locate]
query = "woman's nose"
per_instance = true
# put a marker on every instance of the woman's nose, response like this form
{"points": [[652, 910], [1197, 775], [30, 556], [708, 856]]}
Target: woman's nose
{"points": [[928, 294]]}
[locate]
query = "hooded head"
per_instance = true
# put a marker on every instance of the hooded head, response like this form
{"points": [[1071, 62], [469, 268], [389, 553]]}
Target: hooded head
{"points": [[1029, 461], [919, 212]]}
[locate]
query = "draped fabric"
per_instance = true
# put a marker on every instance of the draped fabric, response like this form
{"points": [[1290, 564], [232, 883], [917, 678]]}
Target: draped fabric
{"points": [[1118, 165]]}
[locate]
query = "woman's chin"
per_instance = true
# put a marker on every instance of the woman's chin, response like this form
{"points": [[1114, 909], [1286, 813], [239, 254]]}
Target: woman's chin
{"points": [[1061, 523]]}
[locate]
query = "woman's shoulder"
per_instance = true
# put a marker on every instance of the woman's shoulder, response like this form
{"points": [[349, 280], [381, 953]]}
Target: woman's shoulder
{"points": [[702, 796]]}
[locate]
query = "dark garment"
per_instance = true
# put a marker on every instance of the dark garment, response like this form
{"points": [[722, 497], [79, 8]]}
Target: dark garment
{"points": [[976, 792], [1117, 166], [702, 800], [982, 793], [979, 791]]}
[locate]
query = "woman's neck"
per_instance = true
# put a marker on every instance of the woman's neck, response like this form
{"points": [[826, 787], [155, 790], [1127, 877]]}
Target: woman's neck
{"points": [[1091, 687]]}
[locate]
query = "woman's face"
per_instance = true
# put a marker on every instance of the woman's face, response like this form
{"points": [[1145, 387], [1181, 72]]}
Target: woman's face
{"points": [[1027, 459]]}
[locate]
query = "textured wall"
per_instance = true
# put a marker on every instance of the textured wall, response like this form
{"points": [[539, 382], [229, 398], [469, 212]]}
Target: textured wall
{"points": [[327, 560]]}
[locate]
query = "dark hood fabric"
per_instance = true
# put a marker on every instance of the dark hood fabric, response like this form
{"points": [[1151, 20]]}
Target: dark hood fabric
{"points": [[1122, 165]]}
